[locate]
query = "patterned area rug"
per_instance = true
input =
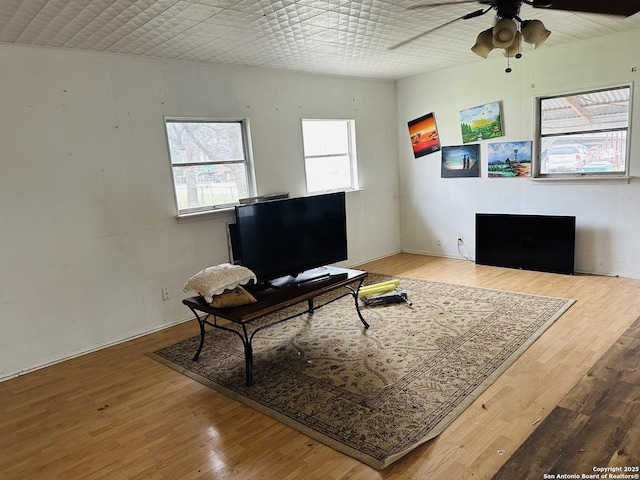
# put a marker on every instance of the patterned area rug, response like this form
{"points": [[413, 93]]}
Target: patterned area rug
{"points": [[375, 394]]}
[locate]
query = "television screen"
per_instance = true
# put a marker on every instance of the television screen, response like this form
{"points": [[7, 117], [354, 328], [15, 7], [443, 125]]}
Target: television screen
{"points": [[531, 242], [287, 237]]}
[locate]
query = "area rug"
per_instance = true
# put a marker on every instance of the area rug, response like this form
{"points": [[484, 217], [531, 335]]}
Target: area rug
{"points": [[374, 394]]}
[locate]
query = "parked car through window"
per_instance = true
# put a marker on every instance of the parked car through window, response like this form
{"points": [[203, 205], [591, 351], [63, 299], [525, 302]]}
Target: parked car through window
{"points": [[565, 158]]}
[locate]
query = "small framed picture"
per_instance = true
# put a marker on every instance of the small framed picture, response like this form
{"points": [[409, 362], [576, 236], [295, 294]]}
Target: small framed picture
{"points": [[424, 135], [481, 122], [509, 159], [461, 161]]}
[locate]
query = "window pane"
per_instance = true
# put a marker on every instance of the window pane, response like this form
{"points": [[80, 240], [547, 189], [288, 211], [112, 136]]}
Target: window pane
{"points": [[584, 153], [192, 142], [330, 158], [603, 110], [328, 173], [210, 163], [209, 185], [325, 137], [584, 133]]}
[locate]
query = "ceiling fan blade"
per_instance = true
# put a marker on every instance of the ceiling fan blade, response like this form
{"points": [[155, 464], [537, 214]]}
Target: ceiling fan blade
{"points": [[476, 13], [415, 37], [622, 8], [439, 4]]}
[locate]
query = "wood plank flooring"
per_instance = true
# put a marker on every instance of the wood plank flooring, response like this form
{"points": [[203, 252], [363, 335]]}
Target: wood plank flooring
{"points": [[596, 425], [116, 414]]}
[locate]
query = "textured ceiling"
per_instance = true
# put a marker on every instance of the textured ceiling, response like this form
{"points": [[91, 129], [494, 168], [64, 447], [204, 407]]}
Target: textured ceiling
{"points": [[318, 36]]}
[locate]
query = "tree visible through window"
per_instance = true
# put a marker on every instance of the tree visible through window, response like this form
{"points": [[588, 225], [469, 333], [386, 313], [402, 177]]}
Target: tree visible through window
{"points": [[329, 155], [583, 134], [209, 161]]}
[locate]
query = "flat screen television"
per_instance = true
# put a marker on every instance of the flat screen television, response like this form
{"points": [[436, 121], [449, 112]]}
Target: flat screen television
{"points": [[284, 238], [531, 242]]}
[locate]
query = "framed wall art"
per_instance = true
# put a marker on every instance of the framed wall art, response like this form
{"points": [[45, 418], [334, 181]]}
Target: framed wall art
{"points": [[509, 159], [424, 135], [461, 161], [481, 122]]}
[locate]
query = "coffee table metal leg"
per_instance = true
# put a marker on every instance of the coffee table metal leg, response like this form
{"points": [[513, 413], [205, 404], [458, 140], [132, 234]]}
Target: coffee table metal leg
{"points": [[364, 322], [248, 357], [201, 322], [246, 342], [354, 294]]}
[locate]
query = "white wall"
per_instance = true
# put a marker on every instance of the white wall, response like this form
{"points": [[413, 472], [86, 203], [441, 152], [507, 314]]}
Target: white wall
{"points": [[89, 234], [606, 213]]}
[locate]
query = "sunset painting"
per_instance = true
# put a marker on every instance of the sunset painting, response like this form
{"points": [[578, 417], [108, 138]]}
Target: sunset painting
{"points": [[424, 135]]}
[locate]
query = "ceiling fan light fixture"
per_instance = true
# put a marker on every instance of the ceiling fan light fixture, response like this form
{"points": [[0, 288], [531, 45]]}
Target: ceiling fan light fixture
{"points": [[484, 43], [534, 32], [504, 33]]}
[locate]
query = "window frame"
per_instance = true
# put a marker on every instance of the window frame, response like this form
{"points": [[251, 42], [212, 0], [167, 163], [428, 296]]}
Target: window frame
{"points": [[351, 153], [248, 162], [582, 175]]}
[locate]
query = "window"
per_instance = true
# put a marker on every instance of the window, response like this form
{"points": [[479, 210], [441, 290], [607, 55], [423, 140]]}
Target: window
{"points": [[583, 134], [210, 163], [329, 155]]}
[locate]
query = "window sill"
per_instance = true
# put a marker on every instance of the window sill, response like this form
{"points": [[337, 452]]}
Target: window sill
{"points": [[211, 214], [208, 215], [584, 179], [345, 190]]}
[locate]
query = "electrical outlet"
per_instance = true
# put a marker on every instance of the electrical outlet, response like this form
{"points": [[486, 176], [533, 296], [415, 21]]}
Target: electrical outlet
{"points": [[460, 241], [439, 241], [166, 293]]}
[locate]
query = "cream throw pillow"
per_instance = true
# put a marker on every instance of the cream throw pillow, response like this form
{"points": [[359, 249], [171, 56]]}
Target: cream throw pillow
{"points": [[218, 278]]}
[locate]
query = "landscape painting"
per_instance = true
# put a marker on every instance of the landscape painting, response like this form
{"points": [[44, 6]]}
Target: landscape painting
{"points": [[461, 161], [424, 135], [509, 159], [481, 122]]}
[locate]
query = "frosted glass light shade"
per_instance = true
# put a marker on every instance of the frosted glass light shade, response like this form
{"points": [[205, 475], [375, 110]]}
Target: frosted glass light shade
{"points": [[514, 48], [534, 32], [484, 43], [504, 33]]}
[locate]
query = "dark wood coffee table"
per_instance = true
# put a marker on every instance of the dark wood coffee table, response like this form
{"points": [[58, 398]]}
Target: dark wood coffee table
{"points": [[270, 300]]}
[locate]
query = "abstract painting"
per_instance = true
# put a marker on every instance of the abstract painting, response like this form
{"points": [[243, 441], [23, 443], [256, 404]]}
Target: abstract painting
{"points": [[424, 135], [509, 159], [461, 161], [481, 122]]}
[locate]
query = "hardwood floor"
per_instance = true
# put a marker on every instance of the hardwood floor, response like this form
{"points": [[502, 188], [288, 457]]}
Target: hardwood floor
{"points": [[118, 414], [596, 425]]}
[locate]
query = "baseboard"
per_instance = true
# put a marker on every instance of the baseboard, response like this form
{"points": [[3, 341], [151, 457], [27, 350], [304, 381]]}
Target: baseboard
{"points": [[431, 254], [356, 264], [92, 349], [576, 272]]}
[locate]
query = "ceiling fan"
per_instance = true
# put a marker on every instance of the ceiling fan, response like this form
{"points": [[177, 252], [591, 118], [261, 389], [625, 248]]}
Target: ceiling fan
{"points": [[509, 30]]}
